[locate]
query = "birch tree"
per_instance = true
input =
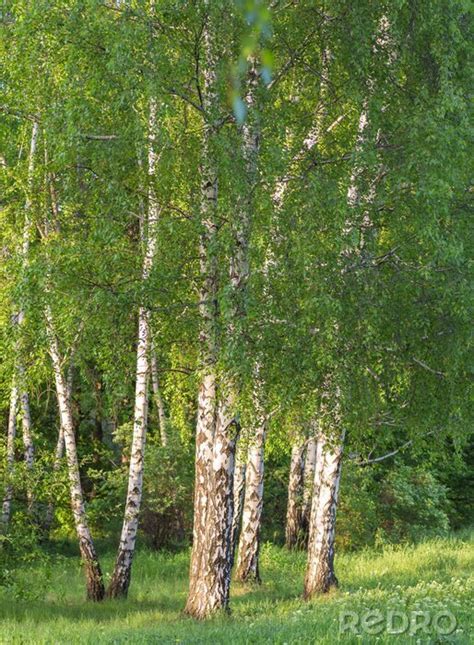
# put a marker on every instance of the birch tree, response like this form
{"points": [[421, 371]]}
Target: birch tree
{"points": [[249, 543], [11, 433], [320, 575], [295, 490], [122, 571], [209, 575], [19, 391], [94, 581]]}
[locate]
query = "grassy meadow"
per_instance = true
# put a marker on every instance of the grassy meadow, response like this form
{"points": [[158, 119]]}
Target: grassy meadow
{"points": [[45, 602]]}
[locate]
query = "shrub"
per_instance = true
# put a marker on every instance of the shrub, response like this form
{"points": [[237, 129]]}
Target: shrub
{"points": [[412, 505]]}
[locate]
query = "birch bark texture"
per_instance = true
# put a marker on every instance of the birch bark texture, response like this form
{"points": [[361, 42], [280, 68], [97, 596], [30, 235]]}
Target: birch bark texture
{"points": [[59, 450], [11, 434], [252, 486], [94, 582], [209, 581], [249, 543], [240, 469], [295, 491], [121, 576], [320, 575], [308, 485], [95, 589]]}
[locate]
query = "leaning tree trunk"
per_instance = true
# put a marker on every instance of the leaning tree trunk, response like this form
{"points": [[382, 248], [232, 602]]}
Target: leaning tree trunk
{"points": [[59, 451], [123, 564], [320, 576], [95, 585], [295, 490], [11, 433], [249, 543]]}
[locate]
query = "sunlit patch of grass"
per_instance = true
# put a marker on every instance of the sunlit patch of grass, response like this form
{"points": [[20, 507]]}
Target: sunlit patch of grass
{"points": [[431, 576]]}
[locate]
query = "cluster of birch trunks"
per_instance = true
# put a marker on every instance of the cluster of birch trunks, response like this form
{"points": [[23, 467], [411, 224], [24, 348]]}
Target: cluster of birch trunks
{"points": [[229, 459]]}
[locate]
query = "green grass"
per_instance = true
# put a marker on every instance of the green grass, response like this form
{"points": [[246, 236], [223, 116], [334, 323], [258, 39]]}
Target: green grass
{"points": [[430, 576]]}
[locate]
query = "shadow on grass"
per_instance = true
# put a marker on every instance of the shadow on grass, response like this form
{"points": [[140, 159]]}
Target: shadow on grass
{"points": [[106, 611], [159, 586]]}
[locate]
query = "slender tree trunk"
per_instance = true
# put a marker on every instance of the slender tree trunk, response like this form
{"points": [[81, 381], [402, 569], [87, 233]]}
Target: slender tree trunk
{"points": [[239, 490], [308, 485], [123, 565], [158, 399], [295, 491], [320, 576], [27, 436], [95, 585], [311, 140], [24, 398], [27, 443], [18, 387], [11, 433], [59, 452], [26, 431], [249, 543]]}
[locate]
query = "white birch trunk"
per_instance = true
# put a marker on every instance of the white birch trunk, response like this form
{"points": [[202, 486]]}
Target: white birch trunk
{"points": [[238, 492], [24, 397], [308, 484], [123, 565], [295, 491], [59, 451], [19, 390], [27, 436], [312, 138], [320, 576], [249, 543], [209, 581], [95, 586], [239, 274], [11, 433]]}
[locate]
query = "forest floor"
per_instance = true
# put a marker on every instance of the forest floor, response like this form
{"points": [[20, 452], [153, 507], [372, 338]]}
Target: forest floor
{"points": [[46, 603]]}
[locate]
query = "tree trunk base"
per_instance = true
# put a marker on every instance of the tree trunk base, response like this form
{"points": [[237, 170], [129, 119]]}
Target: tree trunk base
{"points": [[120, 582], [201, 611], [322, 585], [249, 577], [94, 581]]}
